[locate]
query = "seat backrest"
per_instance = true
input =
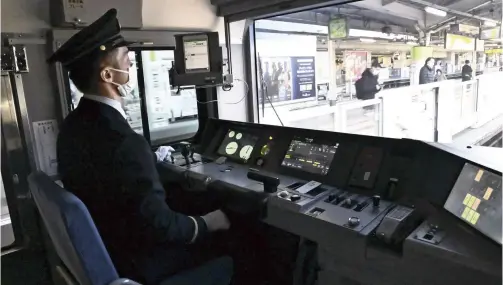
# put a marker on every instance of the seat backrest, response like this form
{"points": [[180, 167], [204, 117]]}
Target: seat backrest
{"points": [[72, 231]]}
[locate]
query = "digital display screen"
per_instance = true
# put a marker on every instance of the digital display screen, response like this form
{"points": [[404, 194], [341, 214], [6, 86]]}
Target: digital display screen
{"points": [[311, 157], [238, 145], [476, 199], [196, 53]]}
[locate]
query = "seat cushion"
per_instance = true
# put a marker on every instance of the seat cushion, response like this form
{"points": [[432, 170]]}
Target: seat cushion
{"points": [[215, 272]]}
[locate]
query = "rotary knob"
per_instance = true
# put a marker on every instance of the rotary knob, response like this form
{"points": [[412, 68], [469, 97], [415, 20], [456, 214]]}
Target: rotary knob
{"points": [[295, 198], [283, 194], [353, 222]]}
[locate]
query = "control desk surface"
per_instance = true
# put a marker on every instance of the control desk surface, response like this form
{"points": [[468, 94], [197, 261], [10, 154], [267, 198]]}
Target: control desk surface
{"points": [[362, 199]]}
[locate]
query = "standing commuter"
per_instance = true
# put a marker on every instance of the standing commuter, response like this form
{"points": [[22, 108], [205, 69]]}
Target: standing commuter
{"points": [[427, 72], [466, 72]]}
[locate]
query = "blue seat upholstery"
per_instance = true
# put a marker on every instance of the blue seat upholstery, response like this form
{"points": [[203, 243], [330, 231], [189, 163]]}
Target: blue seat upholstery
{"points": [[79, 245], [73, 233]]}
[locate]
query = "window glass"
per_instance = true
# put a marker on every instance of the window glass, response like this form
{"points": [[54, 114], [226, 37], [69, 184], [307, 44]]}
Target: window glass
{"points": [[172, 113], [375, 70], [131, 101], [7, 232]]}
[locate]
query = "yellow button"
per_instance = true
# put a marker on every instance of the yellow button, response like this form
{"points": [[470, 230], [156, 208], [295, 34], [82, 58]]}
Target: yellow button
{"points": [[470, 215], [475, 218], [467, 199], [476, 204], [472, 200], [465, 213], [479, 175], [488, 193]]}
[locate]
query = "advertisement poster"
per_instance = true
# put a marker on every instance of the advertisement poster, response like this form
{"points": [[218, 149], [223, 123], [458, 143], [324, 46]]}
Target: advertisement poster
{"points": [[303, 75], [277, 78], [356, 63]]}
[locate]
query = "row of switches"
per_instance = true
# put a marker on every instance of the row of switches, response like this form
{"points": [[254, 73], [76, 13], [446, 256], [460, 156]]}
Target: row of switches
{"points": [[348, 202]]}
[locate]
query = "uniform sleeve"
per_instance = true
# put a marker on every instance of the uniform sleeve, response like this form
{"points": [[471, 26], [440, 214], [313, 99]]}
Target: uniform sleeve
{"points": [[135, 168]]}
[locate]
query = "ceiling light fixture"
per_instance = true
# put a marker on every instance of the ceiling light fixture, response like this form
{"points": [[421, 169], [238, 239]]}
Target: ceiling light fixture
{"points": [[435, 12]]}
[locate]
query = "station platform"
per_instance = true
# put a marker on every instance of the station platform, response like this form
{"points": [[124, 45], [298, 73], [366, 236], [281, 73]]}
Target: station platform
{"points": [[488, 134]]}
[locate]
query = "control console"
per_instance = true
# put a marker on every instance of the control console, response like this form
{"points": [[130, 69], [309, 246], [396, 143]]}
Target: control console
{"points": [[373, 203]]}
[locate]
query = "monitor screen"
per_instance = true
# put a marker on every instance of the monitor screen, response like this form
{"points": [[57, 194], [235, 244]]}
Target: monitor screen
{"points": [[172, 113], [131, 101], [311, 157], [197, 58], [238, 145], [476, 199]]}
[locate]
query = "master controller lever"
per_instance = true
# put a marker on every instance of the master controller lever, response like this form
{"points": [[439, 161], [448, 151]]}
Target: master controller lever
{"points": [[185, 152], [270, 183], [376, 200]]}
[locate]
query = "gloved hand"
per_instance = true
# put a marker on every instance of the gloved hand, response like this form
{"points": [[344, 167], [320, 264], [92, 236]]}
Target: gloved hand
{"points": [[163, 153], [216, 220]]}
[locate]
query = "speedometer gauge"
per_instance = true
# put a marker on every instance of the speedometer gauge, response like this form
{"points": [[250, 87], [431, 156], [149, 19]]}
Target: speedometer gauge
{"points": [[246, 152], [231, 148]]}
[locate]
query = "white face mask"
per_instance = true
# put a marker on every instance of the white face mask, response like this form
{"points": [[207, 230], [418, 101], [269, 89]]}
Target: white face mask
{"points": [[128, 87]]}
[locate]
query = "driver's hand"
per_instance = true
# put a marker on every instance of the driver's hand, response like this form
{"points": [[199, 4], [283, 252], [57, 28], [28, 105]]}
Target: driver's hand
{"points": [[216, 220], [163, 153]]}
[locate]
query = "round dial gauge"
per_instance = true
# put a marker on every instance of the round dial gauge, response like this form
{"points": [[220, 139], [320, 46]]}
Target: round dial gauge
{"points": [[231, 148], [246, 152], [239, 136], [231, 134]]}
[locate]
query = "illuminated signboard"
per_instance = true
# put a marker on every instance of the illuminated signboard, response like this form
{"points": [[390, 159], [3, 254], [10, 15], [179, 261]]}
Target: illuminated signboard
{"points": [[458, 42], [490, 34]]}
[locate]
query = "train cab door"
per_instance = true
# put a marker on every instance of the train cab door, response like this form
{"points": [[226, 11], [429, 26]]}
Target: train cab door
{"points": [[22, 251]]}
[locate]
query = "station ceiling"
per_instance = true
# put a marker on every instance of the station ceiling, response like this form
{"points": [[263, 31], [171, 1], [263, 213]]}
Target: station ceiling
{"points": [[408, 14]]}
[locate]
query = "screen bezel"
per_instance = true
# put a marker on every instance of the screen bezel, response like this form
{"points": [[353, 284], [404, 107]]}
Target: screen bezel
{"points": [[314, 141]]}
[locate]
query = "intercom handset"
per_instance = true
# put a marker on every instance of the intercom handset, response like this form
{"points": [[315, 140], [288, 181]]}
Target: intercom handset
{"points": [[396, 225]]}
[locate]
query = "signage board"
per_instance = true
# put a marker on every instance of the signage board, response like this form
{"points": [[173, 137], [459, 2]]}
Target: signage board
{"points": [[459, 43], [338, 28], [490, 34]]}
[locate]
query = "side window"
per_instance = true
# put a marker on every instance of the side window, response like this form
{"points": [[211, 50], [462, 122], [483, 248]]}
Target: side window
{"points": [[7, 237]]}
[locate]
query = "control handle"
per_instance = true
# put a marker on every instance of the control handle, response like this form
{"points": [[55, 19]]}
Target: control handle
{"points": [[270, 183], [376, 200], [185, 151]]}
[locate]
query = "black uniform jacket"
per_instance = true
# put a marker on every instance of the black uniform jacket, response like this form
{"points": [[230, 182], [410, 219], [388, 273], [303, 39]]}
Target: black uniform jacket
{"points": [[112, 170]]}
